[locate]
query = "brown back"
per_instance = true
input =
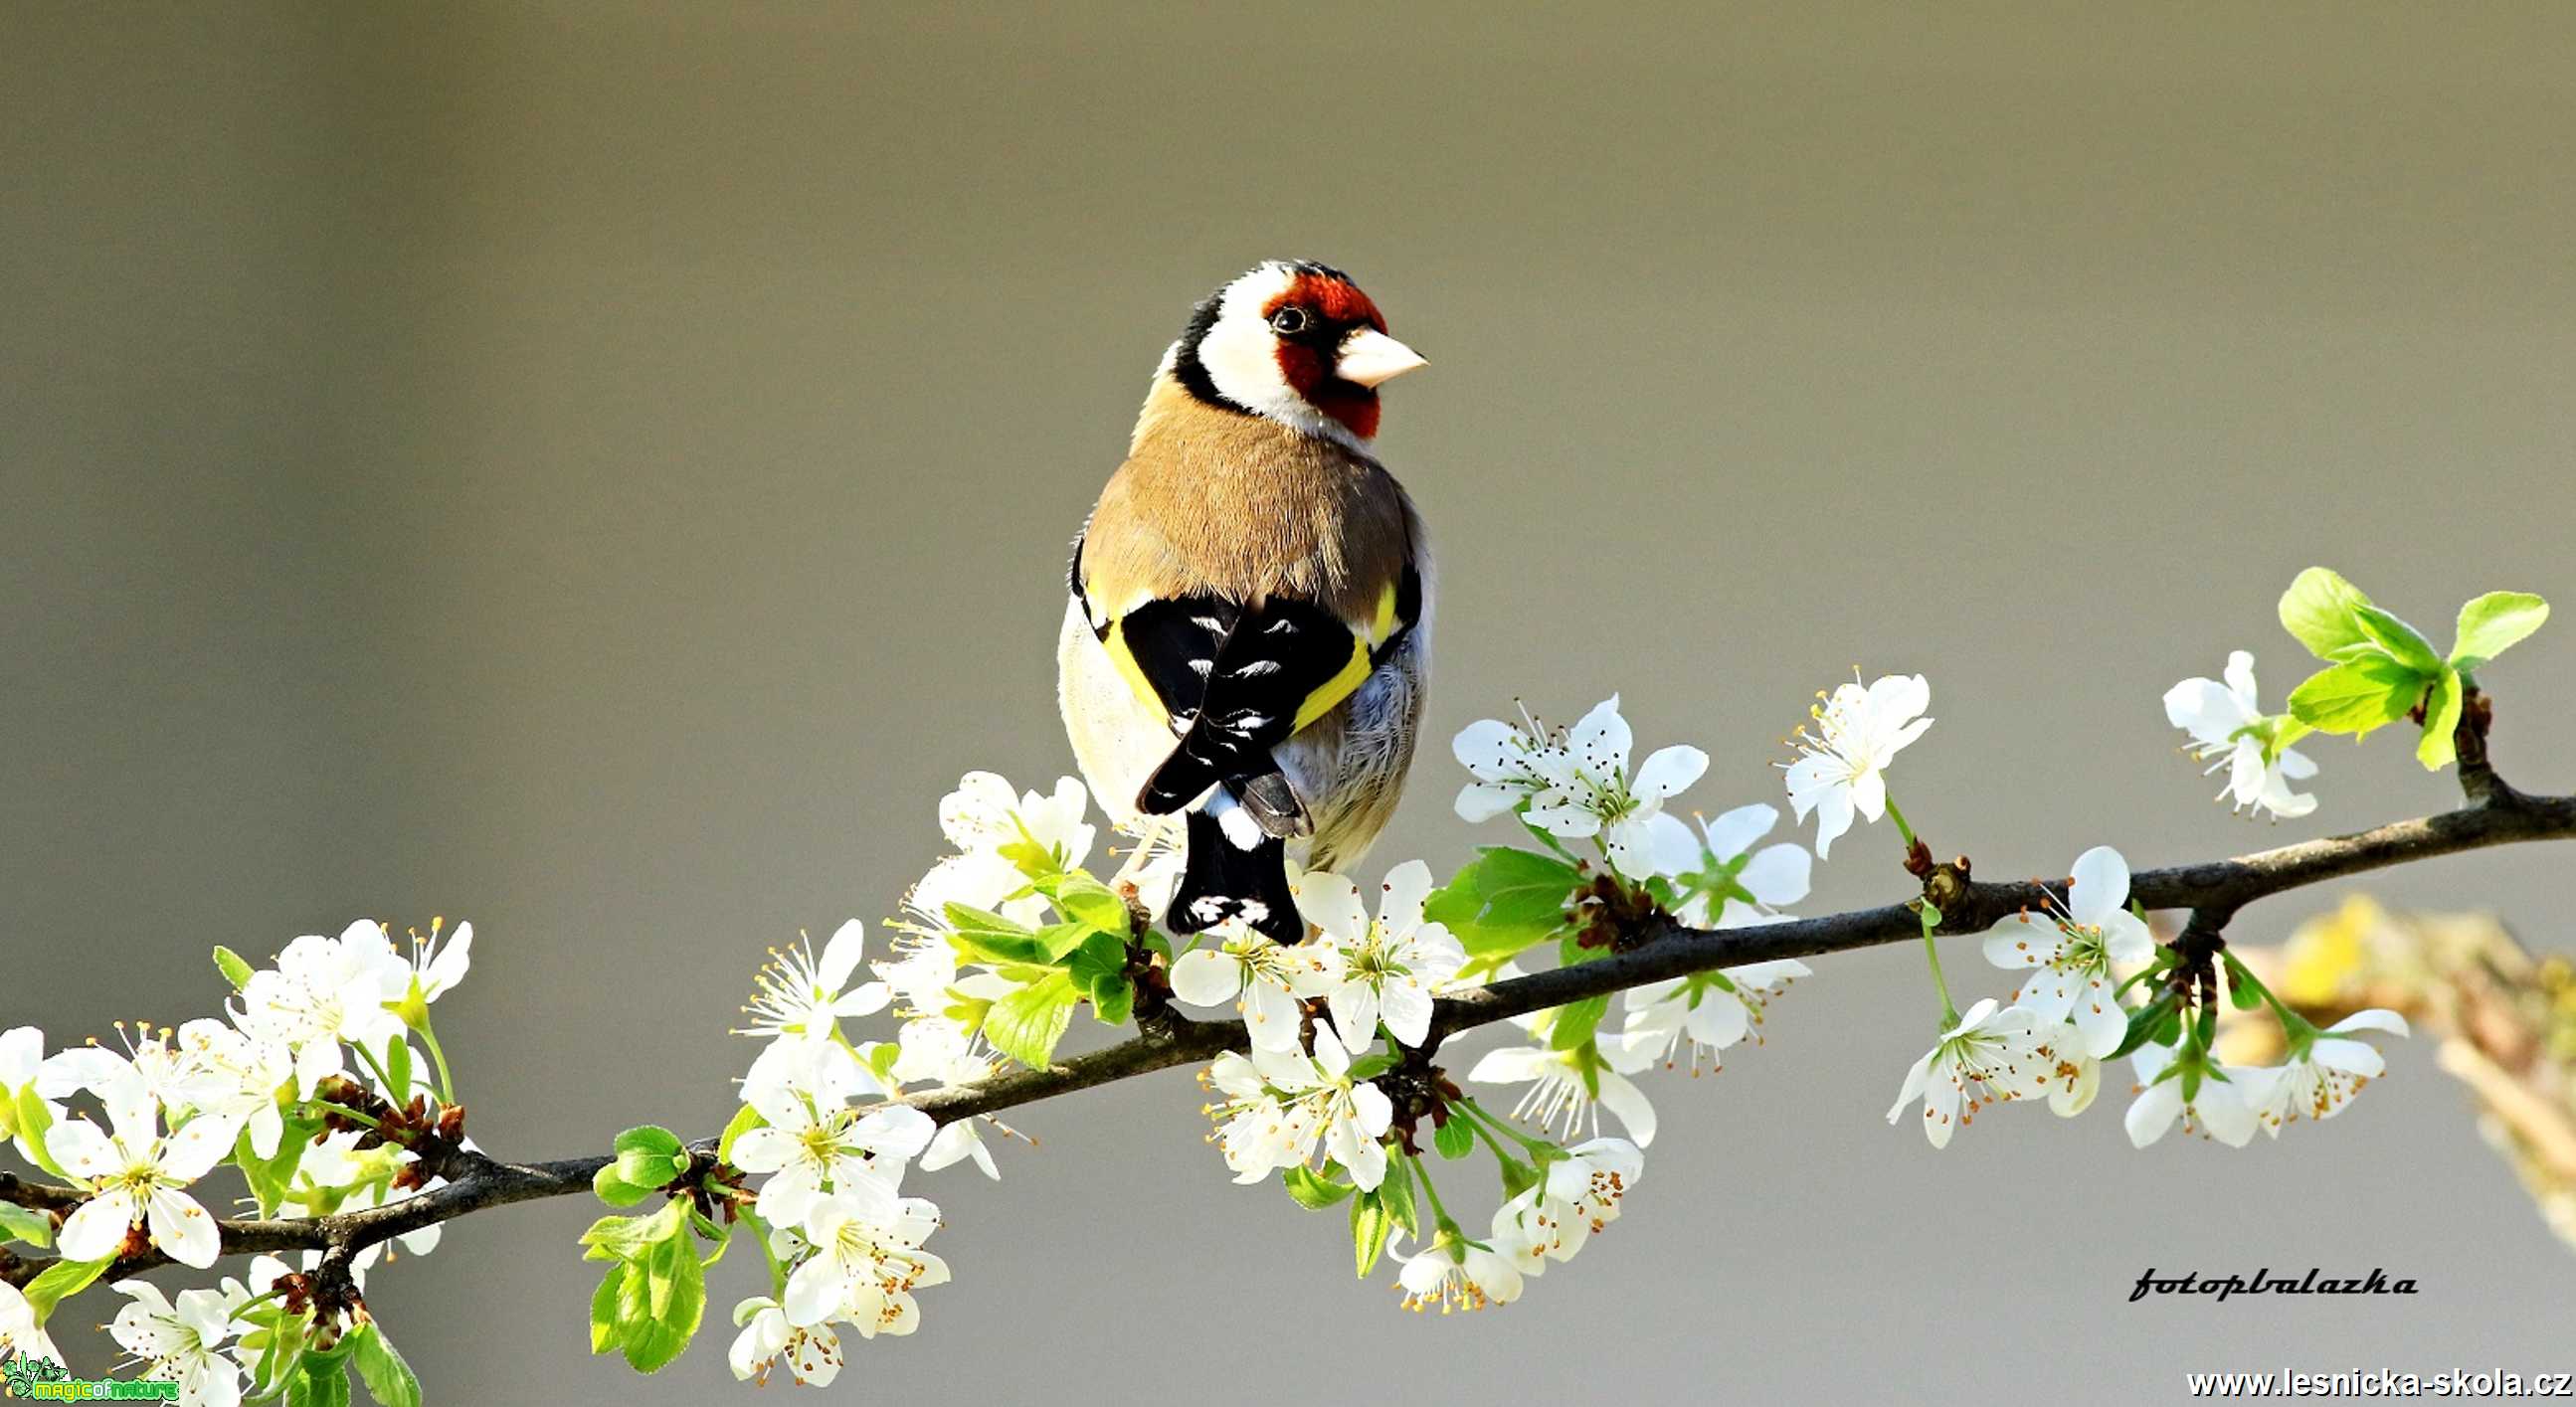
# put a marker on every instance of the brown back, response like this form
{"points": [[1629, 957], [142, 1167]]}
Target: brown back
{"points": [[1212, 500]]}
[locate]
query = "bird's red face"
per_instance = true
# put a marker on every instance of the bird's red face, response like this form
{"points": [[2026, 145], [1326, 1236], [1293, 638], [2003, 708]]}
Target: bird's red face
{"points": [[1299, 343], [1310, 320]]}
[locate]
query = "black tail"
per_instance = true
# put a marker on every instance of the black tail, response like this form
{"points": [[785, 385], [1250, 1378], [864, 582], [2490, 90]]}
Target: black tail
{"points": [[1192, 768], [1223, 880], [1265, 793]]}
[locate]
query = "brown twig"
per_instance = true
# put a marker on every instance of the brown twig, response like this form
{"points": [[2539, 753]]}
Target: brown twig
{"points": [[1660, 949]]}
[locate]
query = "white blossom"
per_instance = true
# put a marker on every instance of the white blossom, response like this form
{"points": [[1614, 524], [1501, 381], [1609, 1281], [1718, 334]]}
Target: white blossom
{"points": [[2073, 953], [813, 1352], [2318, 1081], [2069, 1073], [2229, 729], [137, 1177], [1720, 879], [1991, 1055], [1278, 1104], [1577, 785], [2223, 1108], [864, 1266], [438, 962], [322, 993], [1844, 754], [1569, 1088], [181, 1342], [152, 1065], [237, 1075], [1457, 1276], [1389, 969], [1511, 763], [20, 1334], [984, 815], [799, 996], [812, 1142], [22, 1063], [941, 1051], [1710, 1010], [1579, 1195], [1263, 980]]}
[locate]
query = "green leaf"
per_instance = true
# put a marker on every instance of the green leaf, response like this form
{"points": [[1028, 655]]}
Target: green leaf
{"points": [[1396, 1194], [2357, 697], [1113, 1000], [649, 1138], [59, 1282], [1504, 901], [988, 937], [30, 1126], [714, 1233], [649, 1156], [388, 1378], [1370, 1226], [230, 964], [1575, 1022], [616, 1191], [2494, 623], [1026, 1024], [604, 1331], [2318, 610], [744, 1120], [2144, 1023], [1086, 901], [25, 1224], [398, 1069], [676, 1295], [281, 1356], [323, 1383], [1314, 1191], [2403, 642], [2438, 747], [2241, 994], [625, 1237], [1369, 1066], [1454, 1139], [271, 1178], [649, 1169], [1101, 955]]}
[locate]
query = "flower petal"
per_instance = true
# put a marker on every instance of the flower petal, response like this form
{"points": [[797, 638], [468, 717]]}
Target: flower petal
{"points": [[1734, 832], [2151, 1114], [2101, 885], [1207, 977], [841, 956], [182, 1228], [1401, 895], [1669, 771], [1778, 874], [96, 1229], [1332, 904], [2373, 1019]]}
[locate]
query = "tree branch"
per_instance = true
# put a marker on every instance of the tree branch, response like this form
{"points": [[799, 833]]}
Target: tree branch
{"points": [[1665, 949]]}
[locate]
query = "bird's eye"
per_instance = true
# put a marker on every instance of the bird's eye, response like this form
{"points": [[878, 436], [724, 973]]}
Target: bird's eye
{"points": [[1288, 322]]}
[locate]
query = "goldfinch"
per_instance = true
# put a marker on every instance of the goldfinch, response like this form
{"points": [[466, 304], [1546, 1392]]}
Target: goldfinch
{"points": [[1251, 617]]}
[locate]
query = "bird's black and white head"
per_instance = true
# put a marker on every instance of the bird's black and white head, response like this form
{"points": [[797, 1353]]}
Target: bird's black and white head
{"points": [[1295, 342]]}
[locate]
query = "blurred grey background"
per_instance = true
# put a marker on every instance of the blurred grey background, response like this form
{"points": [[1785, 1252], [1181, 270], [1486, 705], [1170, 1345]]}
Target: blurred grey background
{"points": [[603, 471]]}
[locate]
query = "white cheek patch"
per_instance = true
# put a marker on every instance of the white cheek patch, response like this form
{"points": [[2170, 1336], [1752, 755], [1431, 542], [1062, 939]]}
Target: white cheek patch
{"points": [[1241, 356], [1239, 352]]}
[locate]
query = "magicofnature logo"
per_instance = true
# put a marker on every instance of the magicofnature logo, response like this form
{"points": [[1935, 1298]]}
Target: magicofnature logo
{"points": [[43, 1380]]}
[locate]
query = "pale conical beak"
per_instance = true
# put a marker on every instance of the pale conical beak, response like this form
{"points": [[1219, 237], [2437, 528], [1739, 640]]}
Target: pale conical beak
{"points": [[1370, 357]]}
